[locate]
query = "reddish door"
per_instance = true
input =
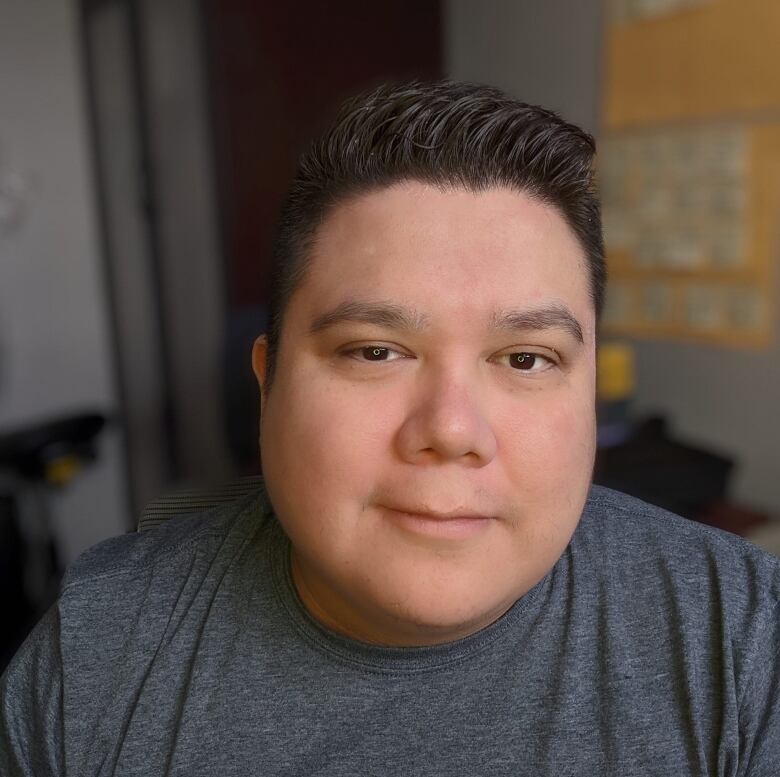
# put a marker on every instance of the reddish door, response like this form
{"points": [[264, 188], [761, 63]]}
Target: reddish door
{"points": [[277, 69]]}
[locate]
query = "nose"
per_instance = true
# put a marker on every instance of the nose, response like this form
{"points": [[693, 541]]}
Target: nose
{"points": [[447, 422]]}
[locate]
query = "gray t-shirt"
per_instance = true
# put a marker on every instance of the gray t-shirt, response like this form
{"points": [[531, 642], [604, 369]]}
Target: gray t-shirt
{"points": [[651, 648]]}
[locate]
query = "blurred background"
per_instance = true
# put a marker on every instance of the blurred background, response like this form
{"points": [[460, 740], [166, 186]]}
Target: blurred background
{"points": [[146, 145]]}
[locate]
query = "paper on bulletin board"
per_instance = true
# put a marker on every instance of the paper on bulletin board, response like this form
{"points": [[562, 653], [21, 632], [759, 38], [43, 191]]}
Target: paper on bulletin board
{"points": [[623, 11], [688, 214], [677, 199]]}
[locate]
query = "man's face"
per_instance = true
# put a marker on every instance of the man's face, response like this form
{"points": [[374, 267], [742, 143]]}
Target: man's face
{"points": [[429, 437]]}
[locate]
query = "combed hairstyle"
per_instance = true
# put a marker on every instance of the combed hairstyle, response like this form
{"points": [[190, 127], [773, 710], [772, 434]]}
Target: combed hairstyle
{"points": [[447, 134]]}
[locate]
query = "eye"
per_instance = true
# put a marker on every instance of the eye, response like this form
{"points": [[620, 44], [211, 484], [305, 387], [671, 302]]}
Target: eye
{"points": [[373, 353], [528, 361]]}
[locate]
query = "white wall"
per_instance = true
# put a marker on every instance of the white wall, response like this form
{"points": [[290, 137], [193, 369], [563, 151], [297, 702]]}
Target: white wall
{"points": [[55, 346], [722, 398]]}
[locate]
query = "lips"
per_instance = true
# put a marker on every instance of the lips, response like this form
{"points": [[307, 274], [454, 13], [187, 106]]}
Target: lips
{"points": [[456, 525]]}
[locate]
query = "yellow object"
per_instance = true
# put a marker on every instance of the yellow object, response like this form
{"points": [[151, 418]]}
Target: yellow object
{"points": [[61, 470], [615, 378]]}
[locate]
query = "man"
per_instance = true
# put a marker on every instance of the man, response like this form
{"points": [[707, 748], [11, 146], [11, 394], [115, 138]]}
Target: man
{"points": [[430, 585]]}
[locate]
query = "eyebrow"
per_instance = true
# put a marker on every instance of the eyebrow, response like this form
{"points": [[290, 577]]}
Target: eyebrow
{"points": [[385, 314], [555, 316], [393, 316]]}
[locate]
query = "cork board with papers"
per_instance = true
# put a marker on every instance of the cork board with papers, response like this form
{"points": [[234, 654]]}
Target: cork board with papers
{"points": [[691, 194]]}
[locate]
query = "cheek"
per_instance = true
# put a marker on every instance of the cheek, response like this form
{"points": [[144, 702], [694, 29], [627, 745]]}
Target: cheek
{"points": [[548, 466], [550, 442], [324, 436]]}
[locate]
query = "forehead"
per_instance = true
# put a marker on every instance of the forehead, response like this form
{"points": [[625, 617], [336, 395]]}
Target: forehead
{"points": [[445, 251]]}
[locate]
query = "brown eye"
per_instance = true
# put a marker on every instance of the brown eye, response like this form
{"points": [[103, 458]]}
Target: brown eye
{"points": [[374, 353], [523, 361]]}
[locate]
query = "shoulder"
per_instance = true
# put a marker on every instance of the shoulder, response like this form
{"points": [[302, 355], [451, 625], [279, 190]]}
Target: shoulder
{"points": [[131, 599], [130, 559], [661, 559], [648, 530]]}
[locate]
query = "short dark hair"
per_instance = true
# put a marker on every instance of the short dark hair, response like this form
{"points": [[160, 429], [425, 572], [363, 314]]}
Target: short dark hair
{"points": [[448, 134]]}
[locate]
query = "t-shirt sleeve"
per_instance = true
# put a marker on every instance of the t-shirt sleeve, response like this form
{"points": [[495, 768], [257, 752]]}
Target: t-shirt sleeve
{"points": [[760, 708], [31, 722]]}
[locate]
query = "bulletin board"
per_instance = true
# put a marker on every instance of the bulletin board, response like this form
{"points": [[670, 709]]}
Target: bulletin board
{"points": [[689, 168]]}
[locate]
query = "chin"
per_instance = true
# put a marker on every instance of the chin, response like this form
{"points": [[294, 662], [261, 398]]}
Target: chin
{"points": [[426, 630], [444, 618]]}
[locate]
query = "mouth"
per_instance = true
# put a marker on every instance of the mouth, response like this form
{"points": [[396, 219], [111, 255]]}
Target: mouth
{"points": [[453, 525]]}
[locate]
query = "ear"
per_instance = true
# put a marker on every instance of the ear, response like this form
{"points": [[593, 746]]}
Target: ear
{"points": [[260, 361]]}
